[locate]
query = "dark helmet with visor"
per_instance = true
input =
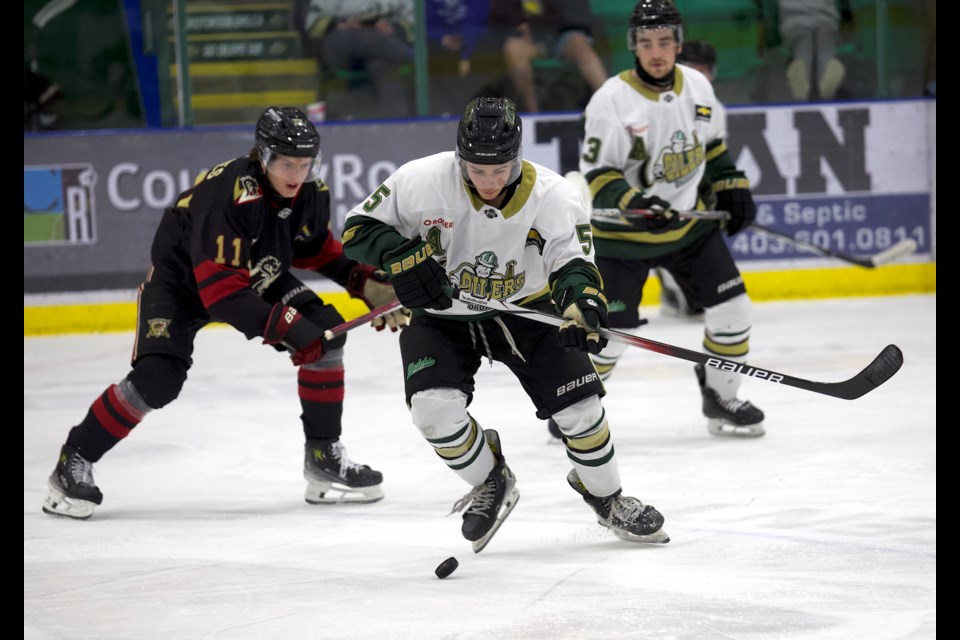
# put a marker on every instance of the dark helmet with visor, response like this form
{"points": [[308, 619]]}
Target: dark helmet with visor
{"points": [[490, 133], [654, 14], [287, 131]]}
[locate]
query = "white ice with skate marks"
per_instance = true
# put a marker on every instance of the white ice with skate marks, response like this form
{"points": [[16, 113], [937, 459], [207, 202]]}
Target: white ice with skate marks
{"points": [[823, 528]]}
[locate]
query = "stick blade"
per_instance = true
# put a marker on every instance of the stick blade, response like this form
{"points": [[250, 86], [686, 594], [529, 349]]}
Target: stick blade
{"points": [[902, 249], [883, 367]]}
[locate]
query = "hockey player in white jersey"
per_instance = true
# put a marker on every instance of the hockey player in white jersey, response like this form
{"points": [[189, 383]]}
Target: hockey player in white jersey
{"points": [[483, 220], [652, 134]]}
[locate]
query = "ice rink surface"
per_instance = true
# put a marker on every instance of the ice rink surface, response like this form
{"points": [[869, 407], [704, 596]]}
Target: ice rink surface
{"points": [[824, 528]]}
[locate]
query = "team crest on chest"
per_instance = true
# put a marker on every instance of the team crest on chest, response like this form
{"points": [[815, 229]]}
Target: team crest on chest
{"points": [[482, 279], [678, 162]]}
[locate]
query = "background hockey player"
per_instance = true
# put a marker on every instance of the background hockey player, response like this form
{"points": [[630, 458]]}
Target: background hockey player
{"points": [[673, 301], [499, 227], [224, 253], [652, 133]]}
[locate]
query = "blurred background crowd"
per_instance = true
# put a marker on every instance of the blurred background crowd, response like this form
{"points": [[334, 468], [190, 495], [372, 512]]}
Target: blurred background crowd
{"points": [[102, 64]]}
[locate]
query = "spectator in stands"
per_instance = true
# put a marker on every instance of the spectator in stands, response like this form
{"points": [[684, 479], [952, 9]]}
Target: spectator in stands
{"points": [[371, 36], [544, 29], [811, 30], [457, 32]]}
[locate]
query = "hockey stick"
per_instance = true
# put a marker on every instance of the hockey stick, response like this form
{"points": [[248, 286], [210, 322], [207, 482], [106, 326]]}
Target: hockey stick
{"points": [[373, 314], [893, 253], [899, 250], [623, 216], [882, 368]]}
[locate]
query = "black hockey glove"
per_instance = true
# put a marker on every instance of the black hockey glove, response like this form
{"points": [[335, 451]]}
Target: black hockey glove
{"points": [[417, 278], [374, 288], [733, 196], [286, 325], [585, 308], [661, 218]]}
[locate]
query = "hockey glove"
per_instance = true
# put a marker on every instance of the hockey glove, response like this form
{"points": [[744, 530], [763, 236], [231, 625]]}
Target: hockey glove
{"points": [[287, 326], [733, 196], [374, 288], [661, 218], [586, 311], [417, 278]]}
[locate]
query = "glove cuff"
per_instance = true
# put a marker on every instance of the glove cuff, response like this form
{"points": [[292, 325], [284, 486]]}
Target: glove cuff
{"points": [[357, 279], [583, 291], [728, 184], [406, 257]]}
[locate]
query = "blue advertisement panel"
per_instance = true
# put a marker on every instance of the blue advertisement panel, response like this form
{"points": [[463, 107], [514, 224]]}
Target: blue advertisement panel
{"points": [[855, 225]]}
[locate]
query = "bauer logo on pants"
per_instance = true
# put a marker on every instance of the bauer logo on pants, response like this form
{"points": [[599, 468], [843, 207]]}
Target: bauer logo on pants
{"points": [[58, 204]]}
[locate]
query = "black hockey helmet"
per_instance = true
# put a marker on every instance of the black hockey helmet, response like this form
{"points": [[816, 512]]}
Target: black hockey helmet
{"points": [[287, 131], [698, 52], [654, 14], [490, 132]]}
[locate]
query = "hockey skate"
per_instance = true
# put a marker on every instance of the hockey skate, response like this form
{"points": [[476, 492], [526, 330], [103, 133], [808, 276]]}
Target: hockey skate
{"points": [[628, 518], [71, 489], [488, 505], [333, 478], [728, 417]]}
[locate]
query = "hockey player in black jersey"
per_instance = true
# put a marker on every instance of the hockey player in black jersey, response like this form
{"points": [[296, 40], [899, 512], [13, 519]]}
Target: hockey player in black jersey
{"points": [[223, 253]]}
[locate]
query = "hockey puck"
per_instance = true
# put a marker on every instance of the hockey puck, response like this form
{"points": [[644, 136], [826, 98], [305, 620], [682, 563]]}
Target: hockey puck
{"points": [[446, 567]]}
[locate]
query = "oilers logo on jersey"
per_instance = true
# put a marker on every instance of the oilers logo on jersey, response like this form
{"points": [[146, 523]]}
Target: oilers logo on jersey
{"points": [[679, 162], [481, 278]]}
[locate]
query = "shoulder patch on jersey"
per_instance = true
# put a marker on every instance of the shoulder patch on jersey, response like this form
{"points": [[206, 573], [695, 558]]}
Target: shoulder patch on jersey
{"points": [[703, 112], [246, 189], [534, 239]]}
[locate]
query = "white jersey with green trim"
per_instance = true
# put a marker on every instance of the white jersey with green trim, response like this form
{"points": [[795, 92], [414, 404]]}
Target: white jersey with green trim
{"points": [[658, 140], [493, 253]]}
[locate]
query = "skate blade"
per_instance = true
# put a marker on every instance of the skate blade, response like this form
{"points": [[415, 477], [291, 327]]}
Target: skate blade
{"points": [[57, 504], [318, 492], [513, 496], [657, 537], [718, 427]]}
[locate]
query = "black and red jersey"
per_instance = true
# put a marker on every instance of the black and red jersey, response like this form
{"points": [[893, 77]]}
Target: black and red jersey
{"points": [[231, 236]]}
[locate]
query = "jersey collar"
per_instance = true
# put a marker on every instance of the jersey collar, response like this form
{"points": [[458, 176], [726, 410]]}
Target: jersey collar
{"points": [[632, 80]]}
